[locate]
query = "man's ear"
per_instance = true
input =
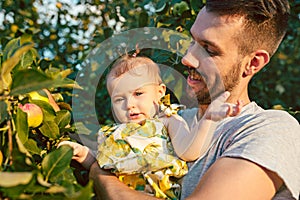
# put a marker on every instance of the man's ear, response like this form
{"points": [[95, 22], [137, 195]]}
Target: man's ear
{"points": [[257, 61], [162, 89]]}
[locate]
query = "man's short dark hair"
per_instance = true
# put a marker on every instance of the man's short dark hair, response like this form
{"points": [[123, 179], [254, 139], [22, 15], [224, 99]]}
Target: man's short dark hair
{"points": [[266, 21]]}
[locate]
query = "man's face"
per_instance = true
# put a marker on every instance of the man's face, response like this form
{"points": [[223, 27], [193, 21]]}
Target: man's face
{"points": [[212, 57]]}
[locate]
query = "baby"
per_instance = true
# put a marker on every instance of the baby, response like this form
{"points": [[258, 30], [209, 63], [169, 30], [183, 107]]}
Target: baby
{"points": [[147, 148]]}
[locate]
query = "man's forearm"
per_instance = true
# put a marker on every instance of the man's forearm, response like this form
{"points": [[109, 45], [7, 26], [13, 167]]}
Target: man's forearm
{"points": [[107, 186]]}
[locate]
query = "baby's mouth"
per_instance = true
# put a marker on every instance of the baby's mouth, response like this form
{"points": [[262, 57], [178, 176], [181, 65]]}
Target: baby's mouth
{"points": [[134, 115]]}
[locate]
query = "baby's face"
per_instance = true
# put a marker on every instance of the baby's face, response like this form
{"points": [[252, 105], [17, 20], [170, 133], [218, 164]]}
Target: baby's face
{"points": [[134, 95]]}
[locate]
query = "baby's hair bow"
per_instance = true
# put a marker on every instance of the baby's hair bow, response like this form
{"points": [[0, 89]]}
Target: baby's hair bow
{"points": [[137, 51]]}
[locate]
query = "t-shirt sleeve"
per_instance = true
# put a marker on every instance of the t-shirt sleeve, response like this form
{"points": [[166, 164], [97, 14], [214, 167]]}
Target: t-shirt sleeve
{"points": [[272, 140], [189, 115]]}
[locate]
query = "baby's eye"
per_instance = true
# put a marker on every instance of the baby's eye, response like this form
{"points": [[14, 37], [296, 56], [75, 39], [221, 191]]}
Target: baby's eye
{"points": [[118, 100]]}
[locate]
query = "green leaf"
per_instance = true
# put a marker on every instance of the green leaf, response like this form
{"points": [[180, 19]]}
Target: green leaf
{"points": [[32, 147], [3, 111], [56, 162], [22, 125], [67, 179], [197, 5], [10, 47], [48, 111], [15, 192], [11, 62], [11, 179], [168, 78], [22, 149], [2, 86], [84, 193], [174, 39], [58, 73], [83, 128], [27, 59], [162, 7], [41, 181], [66, 83], [34, 188], [143, 19], [28, 80], [56, 189], [12, 192], [63, 118], [50, 129]]}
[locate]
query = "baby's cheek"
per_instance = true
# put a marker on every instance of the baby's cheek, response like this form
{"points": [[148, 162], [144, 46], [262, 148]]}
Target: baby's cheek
{"points": [[118, 115], [153, 110]]}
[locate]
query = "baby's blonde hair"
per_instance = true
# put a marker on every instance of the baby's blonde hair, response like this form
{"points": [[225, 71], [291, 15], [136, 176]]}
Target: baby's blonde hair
{"points": [[126, 63]]}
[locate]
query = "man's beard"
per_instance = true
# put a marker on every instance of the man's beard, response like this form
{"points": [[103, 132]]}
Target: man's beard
{"points": [[222, 84]]}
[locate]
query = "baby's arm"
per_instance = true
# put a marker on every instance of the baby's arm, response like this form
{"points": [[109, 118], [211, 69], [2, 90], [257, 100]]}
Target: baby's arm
{"points": [[191, 144], [219, 109], [81, 154]]}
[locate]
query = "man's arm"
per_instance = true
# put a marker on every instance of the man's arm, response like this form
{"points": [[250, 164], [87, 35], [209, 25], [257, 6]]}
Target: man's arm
{"points": [[235, 178], [107, 186], [228, 178]]}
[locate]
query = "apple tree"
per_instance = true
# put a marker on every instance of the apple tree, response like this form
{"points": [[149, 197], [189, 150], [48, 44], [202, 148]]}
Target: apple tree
{"points": [[33, 119]]}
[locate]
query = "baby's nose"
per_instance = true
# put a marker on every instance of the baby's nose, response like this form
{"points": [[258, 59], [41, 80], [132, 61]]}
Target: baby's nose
{"points": [[130, 103]]}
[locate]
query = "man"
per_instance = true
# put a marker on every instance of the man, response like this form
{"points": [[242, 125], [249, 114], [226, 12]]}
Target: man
{"points": [[256, 154]]}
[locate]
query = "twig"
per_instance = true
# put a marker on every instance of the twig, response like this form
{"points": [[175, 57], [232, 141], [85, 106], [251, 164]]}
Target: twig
{"points": [[10, 142]]}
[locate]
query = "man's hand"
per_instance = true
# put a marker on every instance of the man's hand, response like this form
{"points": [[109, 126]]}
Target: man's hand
{"points": [[108, 186]]}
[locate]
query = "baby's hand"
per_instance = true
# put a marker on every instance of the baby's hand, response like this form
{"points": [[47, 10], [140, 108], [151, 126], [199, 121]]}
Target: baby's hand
{"points": [[219, 109], [81, 154]]}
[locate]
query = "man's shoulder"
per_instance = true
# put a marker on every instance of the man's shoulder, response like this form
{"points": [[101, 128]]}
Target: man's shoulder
{"points": [[255, 119], [278, 114], [253, 112], [279, 117]]}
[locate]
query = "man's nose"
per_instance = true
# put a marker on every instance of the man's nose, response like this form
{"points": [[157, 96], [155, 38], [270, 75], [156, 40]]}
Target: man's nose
{"points": [[190, 60]]}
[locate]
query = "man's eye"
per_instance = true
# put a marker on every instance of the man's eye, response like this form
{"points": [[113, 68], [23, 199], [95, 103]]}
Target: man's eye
{"points": [[138, 93], [210, 52], [192, 43]]}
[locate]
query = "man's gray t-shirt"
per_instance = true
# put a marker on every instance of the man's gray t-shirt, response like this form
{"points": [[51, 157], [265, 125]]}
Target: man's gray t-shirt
{"points": [[270, 138]]}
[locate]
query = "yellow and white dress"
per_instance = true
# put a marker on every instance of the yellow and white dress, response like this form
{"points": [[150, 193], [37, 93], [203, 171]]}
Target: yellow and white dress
{"points": [[142, 156]]}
